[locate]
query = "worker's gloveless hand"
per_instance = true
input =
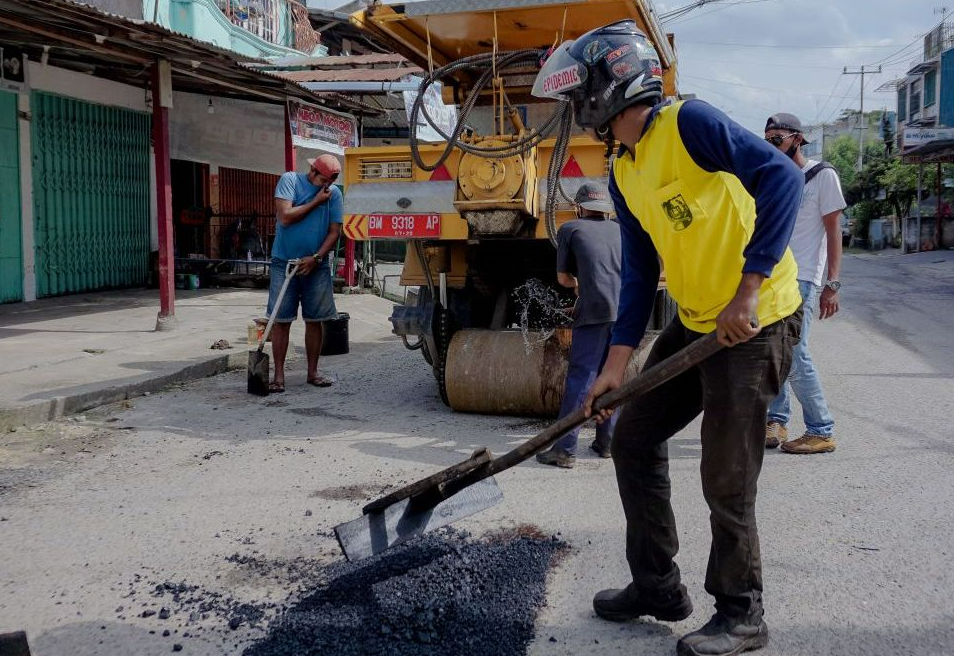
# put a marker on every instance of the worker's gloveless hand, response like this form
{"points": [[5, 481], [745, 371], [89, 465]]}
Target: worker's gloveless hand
{"points": [[607, 381], [322, 195], [738, 321], [307, 265], [828, 305]]}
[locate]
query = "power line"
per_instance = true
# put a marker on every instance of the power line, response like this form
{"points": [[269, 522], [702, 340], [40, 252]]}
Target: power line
{"points": [[680, 20], [786, 47], [753, 86], [830, 95], [772, 64], [916, 40]]}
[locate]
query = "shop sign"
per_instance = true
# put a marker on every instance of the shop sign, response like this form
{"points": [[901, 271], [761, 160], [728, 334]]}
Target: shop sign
{"points": [[320, 128], [13, 63]]}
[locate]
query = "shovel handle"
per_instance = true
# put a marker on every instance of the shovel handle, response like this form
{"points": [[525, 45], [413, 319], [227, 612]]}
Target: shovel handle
{"points": [[479, 458], [647, 380], [290, 269]]}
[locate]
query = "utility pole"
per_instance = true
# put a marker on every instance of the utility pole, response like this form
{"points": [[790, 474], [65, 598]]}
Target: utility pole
{"points": [[864, 124]]}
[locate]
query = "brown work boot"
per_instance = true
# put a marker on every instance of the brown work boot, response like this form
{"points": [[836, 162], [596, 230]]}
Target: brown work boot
{"points": [[775, 434], [724, 636], [809, 443], [620, 605], [557, 457]]}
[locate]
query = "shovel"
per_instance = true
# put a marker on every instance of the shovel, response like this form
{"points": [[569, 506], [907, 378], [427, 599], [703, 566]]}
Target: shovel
{"points": [[258, 359], [468, 487]]}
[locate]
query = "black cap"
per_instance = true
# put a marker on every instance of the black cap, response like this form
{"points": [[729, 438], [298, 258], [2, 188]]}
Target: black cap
{"points": [[594, 197], [785, 121]]}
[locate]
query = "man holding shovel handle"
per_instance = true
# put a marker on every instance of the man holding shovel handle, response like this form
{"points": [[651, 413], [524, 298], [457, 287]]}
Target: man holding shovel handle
{"points": [[716, 205], [308, 213]]}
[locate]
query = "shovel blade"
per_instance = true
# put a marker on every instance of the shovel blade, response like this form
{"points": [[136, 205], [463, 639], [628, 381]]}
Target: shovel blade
{"points": [[376, 532], [258, 373]]}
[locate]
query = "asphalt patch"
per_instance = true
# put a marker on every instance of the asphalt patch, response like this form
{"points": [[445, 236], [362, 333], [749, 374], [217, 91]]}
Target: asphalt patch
{"points": [[443, 593], [321, 412], [343, 493]]}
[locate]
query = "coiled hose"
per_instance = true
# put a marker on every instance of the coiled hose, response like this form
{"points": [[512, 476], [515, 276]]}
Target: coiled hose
{"points": [[562, 120]]}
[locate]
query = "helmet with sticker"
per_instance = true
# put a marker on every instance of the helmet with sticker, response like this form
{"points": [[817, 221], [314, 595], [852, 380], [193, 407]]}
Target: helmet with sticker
{"points": [[601, 73]]}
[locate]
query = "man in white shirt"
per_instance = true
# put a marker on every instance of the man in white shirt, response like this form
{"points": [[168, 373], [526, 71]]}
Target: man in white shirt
{"points": [[816, 241]]}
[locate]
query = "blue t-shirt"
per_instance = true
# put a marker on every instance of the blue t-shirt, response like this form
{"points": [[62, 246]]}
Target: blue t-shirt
{"points": [[303, 238], [590, 249]]}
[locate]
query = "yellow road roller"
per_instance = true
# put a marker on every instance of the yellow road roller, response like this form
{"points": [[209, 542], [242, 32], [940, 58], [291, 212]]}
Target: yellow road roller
{"points": [[480, 209]]}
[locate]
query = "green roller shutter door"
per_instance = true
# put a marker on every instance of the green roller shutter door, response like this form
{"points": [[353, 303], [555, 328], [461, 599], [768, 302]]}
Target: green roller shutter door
{"points": [[11, 265], [91, 195]]}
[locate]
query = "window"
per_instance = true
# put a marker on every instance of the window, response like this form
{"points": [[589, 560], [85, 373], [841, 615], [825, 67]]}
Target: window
{"points": [[902, 103], [930, 88], [914, 100]]}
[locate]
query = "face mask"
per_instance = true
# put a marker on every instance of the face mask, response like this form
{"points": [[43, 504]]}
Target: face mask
{"points": [[792, 150]]}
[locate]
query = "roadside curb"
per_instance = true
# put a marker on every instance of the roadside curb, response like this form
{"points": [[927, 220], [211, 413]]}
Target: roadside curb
{"points": [[61, 406]]}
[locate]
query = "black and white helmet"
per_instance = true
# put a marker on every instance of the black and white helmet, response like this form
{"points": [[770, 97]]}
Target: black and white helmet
{"points": [[603, 72]]}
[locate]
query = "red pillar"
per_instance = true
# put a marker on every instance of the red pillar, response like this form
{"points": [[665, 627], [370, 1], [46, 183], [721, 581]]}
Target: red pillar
{"points": [[160, 139], [349, 262], [290, 163]]}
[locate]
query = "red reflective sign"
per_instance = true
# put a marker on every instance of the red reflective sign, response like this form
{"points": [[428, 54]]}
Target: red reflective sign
{"points": [[404, 225]]}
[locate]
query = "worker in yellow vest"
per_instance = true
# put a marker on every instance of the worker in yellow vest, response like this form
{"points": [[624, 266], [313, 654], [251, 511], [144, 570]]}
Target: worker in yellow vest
{"points": [[717, 205]]}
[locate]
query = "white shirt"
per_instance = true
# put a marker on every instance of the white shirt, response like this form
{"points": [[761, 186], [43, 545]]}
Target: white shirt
{"points": [[809, 244]]}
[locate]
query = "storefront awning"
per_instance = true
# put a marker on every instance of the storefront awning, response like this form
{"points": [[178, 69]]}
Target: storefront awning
{"points": [[85, 39]]}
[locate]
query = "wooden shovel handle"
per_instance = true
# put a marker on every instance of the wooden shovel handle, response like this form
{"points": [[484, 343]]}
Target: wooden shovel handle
{"points": [[448, 482], [479, 458], [675, 364]]}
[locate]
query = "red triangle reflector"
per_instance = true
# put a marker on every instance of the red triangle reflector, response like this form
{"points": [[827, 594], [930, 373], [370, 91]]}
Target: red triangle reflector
{"points": [[572, 169], [440, 173]]}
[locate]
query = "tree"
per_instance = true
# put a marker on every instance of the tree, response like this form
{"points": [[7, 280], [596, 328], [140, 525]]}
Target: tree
{"points": [[842, 153], [887, 133], [900, 182]]}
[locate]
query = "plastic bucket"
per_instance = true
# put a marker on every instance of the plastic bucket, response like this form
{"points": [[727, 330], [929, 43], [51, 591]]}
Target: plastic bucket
{"points": [[335, 341]]}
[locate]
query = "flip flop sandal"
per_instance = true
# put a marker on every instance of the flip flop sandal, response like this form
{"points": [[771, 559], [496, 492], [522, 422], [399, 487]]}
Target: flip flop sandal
{"points": [[275, 388], [319, 381]]}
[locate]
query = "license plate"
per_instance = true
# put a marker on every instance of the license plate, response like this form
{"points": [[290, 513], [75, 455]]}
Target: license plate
{"points": [[404, 225]]}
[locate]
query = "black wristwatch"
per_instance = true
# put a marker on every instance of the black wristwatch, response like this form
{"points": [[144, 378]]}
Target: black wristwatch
{"points": [[833, 285]]}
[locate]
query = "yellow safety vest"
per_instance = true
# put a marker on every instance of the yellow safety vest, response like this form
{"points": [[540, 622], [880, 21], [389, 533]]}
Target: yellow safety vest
{"points": [[699, 222]]}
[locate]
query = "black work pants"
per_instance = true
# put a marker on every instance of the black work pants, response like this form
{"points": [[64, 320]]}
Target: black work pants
{"points": [[732, 389]]}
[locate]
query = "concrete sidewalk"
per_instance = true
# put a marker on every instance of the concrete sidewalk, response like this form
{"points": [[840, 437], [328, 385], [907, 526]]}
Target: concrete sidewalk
{"points": [[64, 355]]}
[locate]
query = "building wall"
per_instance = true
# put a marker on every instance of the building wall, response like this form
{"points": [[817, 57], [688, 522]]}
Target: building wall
{"points": [[127, 8], [946, 89], [82, 87], [203, 20]]}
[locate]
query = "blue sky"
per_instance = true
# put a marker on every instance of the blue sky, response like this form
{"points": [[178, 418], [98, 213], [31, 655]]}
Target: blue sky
{"points": [[755, 57]]}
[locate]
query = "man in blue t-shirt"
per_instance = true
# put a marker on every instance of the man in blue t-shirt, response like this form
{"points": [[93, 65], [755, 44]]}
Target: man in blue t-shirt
{"points": [[308, 223]]}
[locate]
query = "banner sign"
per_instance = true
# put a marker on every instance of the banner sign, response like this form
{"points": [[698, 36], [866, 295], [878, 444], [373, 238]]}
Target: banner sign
{"points": [[320, 128], [915, 137], [443, 115], [13, 63]]}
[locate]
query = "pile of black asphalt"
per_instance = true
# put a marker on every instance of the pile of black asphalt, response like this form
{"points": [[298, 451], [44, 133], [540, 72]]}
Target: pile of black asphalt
{"points": [[444, 593]]}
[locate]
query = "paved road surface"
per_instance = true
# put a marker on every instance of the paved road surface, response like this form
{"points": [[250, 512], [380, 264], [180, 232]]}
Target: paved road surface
{"points": [[856, 545]]}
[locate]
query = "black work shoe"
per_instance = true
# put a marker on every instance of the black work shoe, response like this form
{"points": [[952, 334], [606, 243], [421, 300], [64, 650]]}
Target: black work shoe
{"points": [[621, 605], [723, 636], [557, 458], [600, 450]]}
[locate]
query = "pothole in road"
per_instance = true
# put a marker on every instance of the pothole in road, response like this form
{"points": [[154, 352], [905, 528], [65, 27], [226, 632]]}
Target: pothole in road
{"points": [[441, 594], [343, 493], [321, 412]]}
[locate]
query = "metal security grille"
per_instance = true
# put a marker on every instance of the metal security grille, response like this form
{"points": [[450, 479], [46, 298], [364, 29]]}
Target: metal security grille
{"points": [[384, 169], [248, 194], [11, 266], [91, 195]]}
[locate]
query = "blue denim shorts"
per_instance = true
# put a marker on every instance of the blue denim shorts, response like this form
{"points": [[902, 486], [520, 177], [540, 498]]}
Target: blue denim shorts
{"points": [[313, 292]]}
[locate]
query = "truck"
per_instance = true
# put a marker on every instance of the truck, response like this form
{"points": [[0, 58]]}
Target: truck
{"points": [[480, 210]]}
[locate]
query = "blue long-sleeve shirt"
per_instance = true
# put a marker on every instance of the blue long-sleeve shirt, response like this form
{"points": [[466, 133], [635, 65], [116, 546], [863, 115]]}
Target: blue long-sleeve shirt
{"points": [[714, 142]]}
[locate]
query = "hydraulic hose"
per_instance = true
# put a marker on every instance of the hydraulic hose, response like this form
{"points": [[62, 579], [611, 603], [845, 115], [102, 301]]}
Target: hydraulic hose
{"points": [[561, 120]]}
